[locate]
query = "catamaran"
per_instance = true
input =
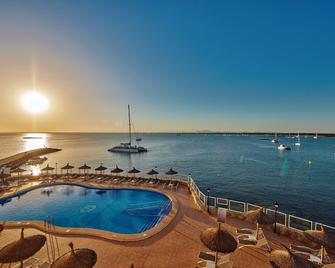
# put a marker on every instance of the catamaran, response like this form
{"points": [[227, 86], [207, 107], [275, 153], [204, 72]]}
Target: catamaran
{"points": [[127, 147]]}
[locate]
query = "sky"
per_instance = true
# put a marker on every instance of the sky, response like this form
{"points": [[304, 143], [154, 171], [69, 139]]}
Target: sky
{"points": [[181, 65]]}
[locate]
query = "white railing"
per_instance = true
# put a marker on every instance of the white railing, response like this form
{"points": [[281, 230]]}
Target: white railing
{"points": [[290, 221]]}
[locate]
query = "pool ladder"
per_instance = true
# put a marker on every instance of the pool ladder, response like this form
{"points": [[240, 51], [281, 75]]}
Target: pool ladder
{"points": [[152, 222], [52, 241]]}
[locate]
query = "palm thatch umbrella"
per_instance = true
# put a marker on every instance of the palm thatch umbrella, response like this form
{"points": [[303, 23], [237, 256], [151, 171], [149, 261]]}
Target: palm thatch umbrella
{"points": [[22, 249], [100, 168], [18, 171], [325, 238], [288, 259], [67, 167], [117, 170], [218, 240], [259, 217], [3, 176], [171, 172], [152, 172], [47, 169], [134, 171], [76, 258], [84, 167]]}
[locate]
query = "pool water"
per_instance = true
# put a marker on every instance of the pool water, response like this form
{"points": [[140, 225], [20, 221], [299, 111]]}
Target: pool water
{"points": [[124, 211]]}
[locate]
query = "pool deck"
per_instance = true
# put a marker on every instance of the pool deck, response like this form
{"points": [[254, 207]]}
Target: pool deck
{"points": [[176, 245]]}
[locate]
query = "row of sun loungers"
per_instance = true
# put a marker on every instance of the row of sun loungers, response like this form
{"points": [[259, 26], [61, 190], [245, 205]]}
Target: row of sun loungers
{"points": [[107, 179]]}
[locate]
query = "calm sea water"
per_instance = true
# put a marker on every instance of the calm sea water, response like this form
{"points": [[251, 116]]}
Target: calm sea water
{"points": [[246, 168]]}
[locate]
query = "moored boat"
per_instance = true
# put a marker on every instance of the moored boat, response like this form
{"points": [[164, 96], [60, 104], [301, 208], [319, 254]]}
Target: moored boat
{"points": [[127, 147]]}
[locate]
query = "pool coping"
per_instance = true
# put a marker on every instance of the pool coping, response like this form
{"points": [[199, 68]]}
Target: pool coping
{"points": [[95, 233]]}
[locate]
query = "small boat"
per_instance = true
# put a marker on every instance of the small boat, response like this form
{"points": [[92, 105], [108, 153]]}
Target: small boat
{"points": [[127, 147], [283, 147], [275, 140], [316, 136], [298, 143]]}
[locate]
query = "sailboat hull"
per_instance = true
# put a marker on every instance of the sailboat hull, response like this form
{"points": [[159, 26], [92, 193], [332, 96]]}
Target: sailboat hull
{"points": [[128, 149]]}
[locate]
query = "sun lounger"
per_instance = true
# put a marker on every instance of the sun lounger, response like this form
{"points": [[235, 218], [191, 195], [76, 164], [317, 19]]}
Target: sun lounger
{"points": [[311, 253], [310, 257], [245, 231], [170, 185], [250, 240], [223, 261], [304, 249]]}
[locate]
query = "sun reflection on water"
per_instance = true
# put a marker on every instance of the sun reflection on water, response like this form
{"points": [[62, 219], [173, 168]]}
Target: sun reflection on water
{"points": [[35, 170], [35, 141]]}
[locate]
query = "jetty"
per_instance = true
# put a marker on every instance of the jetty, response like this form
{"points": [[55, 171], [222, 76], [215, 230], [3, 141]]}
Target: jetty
{"points": [[19, 159]]}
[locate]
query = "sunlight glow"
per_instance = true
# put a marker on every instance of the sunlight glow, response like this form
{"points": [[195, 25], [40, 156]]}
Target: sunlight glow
{"points": [[35, 170], [34, 102]]}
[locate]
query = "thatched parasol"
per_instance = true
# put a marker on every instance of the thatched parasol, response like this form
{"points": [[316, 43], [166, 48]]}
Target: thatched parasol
{"points": [[258, 216], [47, 169], [101, 168], [325, 238], [22, 249], [133, 171], [67, 167], [117, 170], [84, 167], [18, 170], [171, 172], [3, 176], [152, 172], [288, 259], [76, 258], [218, 239]]}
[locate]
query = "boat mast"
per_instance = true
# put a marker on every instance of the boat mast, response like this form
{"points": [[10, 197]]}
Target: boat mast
{"points": [[129, 124]]}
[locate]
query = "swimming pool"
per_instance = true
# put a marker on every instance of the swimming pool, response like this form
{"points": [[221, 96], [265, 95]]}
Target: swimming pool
{"points": [[124, 211]]}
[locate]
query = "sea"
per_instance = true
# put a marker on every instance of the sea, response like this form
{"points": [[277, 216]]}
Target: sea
{"points": [[246, 168]]}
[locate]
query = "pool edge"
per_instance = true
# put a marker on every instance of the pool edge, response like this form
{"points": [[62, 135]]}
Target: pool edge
{"points": [[97, 233]]}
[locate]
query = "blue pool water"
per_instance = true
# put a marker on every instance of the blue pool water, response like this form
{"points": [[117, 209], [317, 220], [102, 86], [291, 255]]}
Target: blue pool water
{"points": [[126, 211]]}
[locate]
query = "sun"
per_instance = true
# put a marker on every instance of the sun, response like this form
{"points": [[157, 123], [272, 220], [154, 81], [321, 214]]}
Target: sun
{"points": [[34, 102]]}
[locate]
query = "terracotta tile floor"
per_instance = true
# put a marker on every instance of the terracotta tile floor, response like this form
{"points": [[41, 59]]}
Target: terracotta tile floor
{"points": [[176, 246]]}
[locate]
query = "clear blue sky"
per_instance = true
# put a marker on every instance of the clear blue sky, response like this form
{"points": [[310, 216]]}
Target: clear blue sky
{"points": [[182, 65]]}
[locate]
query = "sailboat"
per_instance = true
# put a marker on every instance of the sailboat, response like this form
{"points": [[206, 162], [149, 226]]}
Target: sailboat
{"points": [[298, 143], [127, 147], [316, 136], [275, 140]]}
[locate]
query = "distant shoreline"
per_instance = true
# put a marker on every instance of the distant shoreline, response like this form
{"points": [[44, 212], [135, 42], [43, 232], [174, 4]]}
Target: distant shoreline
{"points": [[246, 133]]}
